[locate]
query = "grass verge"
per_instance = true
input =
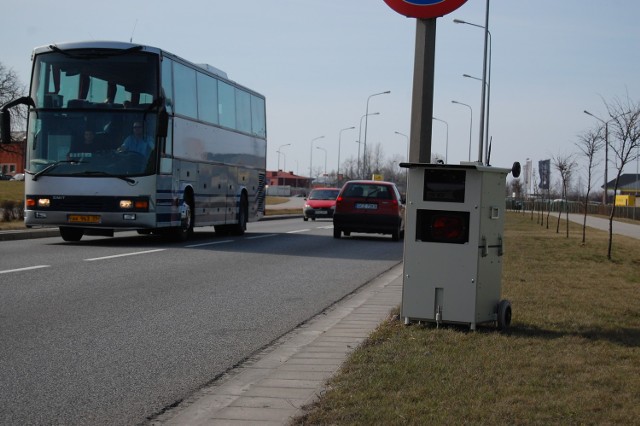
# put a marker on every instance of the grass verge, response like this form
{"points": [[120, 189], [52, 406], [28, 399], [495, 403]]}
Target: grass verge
{"points": [[572, 355]]}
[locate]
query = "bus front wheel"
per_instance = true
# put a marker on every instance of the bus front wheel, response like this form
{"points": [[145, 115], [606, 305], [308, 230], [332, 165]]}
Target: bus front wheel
{"points": [[185, 231], [71, 234]]}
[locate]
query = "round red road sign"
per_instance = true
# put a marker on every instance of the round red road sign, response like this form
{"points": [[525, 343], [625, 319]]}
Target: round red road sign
{"points": [[424, 8]]}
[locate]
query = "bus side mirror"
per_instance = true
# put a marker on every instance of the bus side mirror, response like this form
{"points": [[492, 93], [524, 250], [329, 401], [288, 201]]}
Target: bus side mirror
{"points": [[5, 126], [5, 116]]}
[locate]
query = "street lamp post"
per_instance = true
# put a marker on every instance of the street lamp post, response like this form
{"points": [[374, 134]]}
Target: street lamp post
{"points": [[364, 152], [279, 152], [360, 140], [635, 205], [339, 143], [486, 82], [325, 158], [446, 150], [470, 124], [488, 87], [407, 137], [311, 158], [606, 154]]}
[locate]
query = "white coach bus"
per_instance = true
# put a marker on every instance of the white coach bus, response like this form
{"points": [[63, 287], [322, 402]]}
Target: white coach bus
{"points": [[124, 136]]}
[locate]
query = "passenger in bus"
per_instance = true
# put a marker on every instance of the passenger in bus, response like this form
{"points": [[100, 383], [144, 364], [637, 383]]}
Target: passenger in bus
{"points": [[137, 142], [86, 148]]}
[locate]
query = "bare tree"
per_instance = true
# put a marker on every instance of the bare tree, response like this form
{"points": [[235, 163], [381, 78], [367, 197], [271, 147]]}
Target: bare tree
{"points": [[12, 88], [589, 143], [516, 188], [565, 165], [375, 160], [624, 141]]}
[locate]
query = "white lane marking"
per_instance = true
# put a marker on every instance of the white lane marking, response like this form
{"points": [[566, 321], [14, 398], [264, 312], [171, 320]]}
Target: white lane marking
{"points": [[326, 227], [299, 230], [209, 244], [25, 269], [261, 236], [123, 255]]}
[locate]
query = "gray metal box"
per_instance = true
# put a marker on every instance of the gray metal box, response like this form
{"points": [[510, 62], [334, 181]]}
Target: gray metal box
{"points": [[454, 243]]}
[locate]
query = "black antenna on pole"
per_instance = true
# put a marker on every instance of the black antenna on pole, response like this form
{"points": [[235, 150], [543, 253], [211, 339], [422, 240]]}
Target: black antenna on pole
{"points": [[134, 30]]}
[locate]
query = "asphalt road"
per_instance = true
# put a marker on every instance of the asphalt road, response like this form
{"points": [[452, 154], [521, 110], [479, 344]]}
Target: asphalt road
{"points": [[114, 330]]}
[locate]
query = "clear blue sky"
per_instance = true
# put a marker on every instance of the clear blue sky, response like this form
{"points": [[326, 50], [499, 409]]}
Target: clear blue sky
{"points": [[317, 62]]}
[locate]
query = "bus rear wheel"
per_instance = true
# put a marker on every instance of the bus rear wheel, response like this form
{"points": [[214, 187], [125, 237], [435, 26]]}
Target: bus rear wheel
{"points": [[243, 213], [71, 234]]}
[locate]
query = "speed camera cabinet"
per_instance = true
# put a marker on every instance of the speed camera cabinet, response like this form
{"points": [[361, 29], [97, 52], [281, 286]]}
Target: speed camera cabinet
{"points": [[453, 244]]}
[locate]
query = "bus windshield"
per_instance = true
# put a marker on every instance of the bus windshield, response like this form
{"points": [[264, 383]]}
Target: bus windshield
{"points": [[94, 114]]}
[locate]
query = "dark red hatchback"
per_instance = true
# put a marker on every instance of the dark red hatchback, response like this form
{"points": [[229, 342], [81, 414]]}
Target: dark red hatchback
{"points": [[368, 206]]}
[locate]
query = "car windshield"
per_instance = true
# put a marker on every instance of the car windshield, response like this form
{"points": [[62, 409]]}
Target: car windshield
{"points": [[324, 194]]}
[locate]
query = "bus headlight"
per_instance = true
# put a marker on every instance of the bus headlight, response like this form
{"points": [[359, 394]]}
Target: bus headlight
{"points": [[44, 202], [140, 204]]}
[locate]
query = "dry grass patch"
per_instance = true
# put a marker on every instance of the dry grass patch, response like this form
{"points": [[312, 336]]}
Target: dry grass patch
{"points": [[572, 355]]}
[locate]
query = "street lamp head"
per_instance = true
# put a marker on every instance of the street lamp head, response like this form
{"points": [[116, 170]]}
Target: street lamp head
{"points": [[459, 21]]}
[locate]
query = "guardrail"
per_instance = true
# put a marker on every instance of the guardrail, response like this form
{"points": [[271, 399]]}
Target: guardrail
{"points": [[575, 207]]}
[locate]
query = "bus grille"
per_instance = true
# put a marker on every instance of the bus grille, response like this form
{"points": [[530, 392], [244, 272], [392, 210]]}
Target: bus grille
{"points": [[83, 204]]}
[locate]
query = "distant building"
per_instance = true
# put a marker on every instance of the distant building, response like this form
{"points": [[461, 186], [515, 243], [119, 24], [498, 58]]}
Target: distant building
{"points": [[629, 184], [628, 189], [12, 154], [281, 178]]}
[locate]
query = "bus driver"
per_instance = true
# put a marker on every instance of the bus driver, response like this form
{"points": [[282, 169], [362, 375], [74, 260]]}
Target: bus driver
{"points": [[137, 142]]}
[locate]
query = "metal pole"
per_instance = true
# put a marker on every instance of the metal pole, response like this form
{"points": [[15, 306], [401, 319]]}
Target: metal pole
{"points": [[407, 138], [325, 158], [470, 124], [339, 143], [605, 198], [360, 140], [422, 98], [484, 81], [486, 135], [366, 120], [311, 158], [280, 152], [606, 154], [446, 150]]}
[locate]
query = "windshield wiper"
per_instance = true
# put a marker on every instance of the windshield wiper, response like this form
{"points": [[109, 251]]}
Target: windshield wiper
{"points": [[49, 167], [104, 174]]}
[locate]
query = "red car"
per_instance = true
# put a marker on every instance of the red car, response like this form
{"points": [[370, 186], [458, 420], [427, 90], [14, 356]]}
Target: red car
{"points": [[320, 203], [369, 206]]}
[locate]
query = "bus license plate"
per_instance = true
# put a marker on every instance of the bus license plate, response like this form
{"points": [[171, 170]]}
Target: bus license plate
{"points": [[366, 206], [83, 218]]}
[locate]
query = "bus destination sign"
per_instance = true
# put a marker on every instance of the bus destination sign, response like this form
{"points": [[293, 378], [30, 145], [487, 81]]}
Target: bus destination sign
{"points": [[424, 9]]}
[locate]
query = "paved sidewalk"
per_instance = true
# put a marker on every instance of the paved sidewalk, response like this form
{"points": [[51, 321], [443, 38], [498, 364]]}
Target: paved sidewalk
{"points": [[622, 228], [271, 387]]}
